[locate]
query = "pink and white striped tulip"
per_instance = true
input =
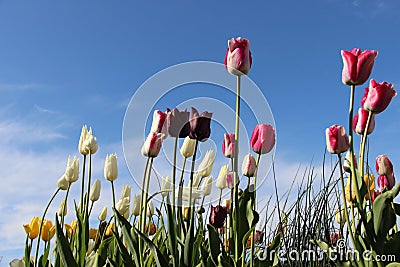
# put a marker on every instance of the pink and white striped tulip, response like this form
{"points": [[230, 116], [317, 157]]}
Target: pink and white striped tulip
{"points": [[357, 65], [336, 139], [383, 165], [360, 122], [228, 145], [158, 125], [387, 182], [230, 183], [262, 139], [249, 166], [152, 145], [238, 56], [378, 96]]}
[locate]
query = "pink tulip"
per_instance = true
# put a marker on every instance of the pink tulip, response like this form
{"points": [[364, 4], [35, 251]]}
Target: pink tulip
{"points": [[336, 139], [218, 216], [378, 97], [152, 145], [228, 145], [238, 56], [386, 181], [383, 165], [357, 65], [157, 125], [249, 166], [178, 123], [263, 138], [360, 122], [230, 183]]}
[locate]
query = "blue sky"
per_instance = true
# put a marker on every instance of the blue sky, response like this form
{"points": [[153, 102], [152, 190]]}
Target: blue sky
{"points": [[68, 63]]}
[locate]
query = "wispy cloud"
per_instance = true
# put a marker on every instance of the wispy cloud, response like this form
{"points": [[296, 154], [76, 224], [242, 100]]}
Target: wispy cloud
{"points": [[22, 86]]}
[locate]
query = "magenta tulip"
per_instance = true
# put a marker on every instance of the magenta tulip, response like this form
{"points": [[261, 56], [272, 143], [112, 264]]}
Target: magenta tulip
{"points": [[262, 139], [218, 216], [200, 125], [378, 97], [386, 182], [360, 122], [178, 123], [336, 139], [238, 56], [152, 145], [383, 165], [357, 65], [228, 145]]}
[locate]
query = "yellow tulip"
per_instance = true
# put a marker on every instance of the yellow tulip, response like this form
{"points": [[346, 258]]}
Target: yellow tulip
{"points": [[109, 231], [48, 230], [369, 180], [92, 233], [71, 228], [32, 229], [350, 197]]}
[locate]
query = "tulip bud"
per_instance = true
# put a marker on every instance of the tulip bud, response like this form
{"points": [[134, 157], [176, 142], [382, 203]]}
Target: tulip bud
{"points": [[152, 230], [378, 96], [262, 139], [90, 143], [200, 125], [357, 65], [109, 230], [103, 214], [386, 182], [72, 170], [62, 183], [122, 205], [230, 183], [186, 213], [32, 229], [48, 230], [384, 165], [340, 216], [150, 209], [188, 147], [347, 162], [165, 186], [62, 210], [158, 124], [369, 180], [178, 123], [95, 191], [207, 186], [360, 122], [206, 165], [92, 233], [152, 145], [336, 139], [126, 192], [238, 56], [17, 263], [221, 180], [217, 216], [81, 146], [249, 166], [228, 145], [226, 203], [136, 204], [350, 195], [111, 168]]}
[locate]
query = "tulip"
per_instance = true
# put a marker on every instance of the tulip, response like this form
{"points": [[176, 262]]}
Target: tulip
{"points": [[109, 231], [90, 143], [384, 165], [152, 230], [32, 229], [123, 205], [48, 230], [221, 180], [103, 214], [17, 262], [62, 183], [205, 167], [228, 145], [92, 233], [386, 182], [81, 146], [178, 123], [336, 139], [63, 209], [230, 183], [350, 196], [71, 228], [357, 65], [150, 209], [360, 122], [249, 166], [126, 192], [207, 186], [152, 145], [158, 124], [379, 96], [340, 216], [72, 170], [91, 246], [369, 180], [186, 213], [347, 162], [258, 236], [165, 186], [136, 204], [226, 203], [200, 125], [263, 138], [95, 191], [111, 168], [196, 194], [188, 146], [334, 238], [217, 216], [238, 58]]}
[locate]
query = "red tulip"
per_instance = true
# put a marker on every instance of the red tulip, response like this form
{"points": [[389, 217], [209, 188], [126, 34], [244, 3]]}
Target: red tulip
{"points": [[386, 181], [263, 138], [200, 125], [383, 165], [357, 65], [178, 123], [228, 145], [238, 56], [336, 139], [378, 97], [152, 145], [217, 216], [360, 122]]}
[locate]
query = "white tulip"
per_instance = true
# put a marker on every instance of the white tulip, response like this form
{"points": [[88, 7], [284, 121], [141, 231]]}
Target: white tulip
{"points": [[221, 180], [111, 168], [165, 186], [188, 146], [206, 165], [95, 191], [72, 170], [207, 186], [136, 204], [62, 183], [103, 214]]}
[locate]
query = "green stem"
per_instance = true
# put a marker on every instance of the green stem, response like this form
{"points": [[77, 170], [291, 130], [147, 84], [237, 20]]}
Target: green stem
{"points": [[254, 207], [65, 207], [363, 144], [174, 177], [146, 193], [83, 182], [191, 180], [88, 191], [41, 224], [140, 241]]}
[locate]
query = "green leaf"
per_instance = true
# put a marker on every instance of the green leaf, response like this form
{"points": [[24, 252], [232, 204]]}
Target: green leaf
{"points": [[159, 257], [43, 260], [126, 258], [214, 243], [172, 233], [383, 215], [63, 248]]}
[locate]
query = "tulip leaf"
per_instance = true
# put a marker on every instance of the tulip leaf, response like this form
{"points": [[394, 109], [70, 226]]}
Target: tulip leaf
{"points": [[214, 243], [396, 207], [172, 242], [63, 248], [159, 257], [126, 258], [43, 260], [384, 215]]}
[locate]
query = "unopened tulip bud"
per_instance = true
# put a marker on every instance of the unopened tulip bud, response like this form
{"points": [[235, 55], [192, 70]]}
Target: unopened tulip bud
{"points": [[360, 122], [263, 138], [186, 213], [48, 230], [228, 145], [188, 147], [340, 216], [103, 214], [150, 209], [347, 162], [383, 165], [111, 168], [200, 125], [238, 56], [62, 211], [249, 166], [109, 230], [152, 145], [81, 146], [336, 139], [221, 180], [136, 204], [95, 191], [158, 123], [152, 230], [230, 183], [62, 183], [357, 65], [207, 186], [378, 96], [217, 216], [206, 165], [72, 170]]}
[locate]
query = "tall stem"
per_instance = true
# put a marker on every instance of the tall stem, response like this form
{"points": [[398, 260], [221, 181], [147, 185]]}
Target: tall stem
{"points": [[174, 177], [113, 196], [254, 207], [363, 144], [65, 206], [191, 180], [88, 191], [146, 195], [41, 224], [83, 181]]}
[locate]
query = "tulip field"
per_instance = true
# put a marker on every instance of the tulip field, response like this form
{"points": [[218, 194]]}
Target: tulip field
{"points": [[349, 218]]}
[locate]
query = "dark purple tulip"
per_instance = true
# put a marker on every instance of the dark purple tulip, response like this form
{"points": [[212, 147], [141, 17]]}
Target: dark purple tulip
{"points": [[178, 123], [200, 125], [217, 216]]}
